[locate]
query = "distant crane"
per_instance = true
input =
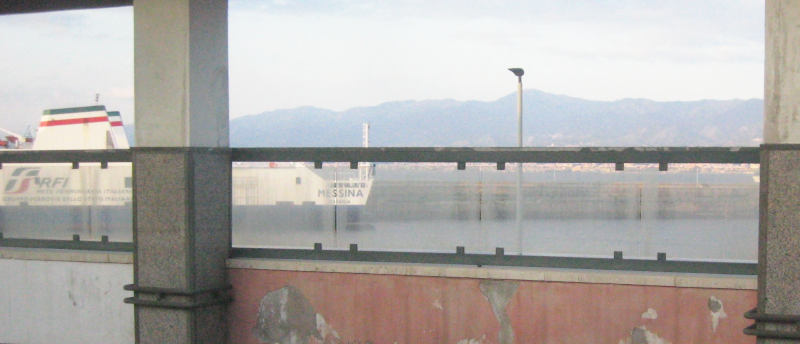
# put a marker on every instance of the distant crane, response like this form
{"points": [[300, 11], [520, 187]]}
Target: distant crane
{"points": [[14, 140]]}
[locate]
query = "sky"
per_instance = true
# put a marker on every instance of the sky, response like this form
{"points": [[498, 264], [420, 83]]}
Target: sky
{"points": [[340, 54]]}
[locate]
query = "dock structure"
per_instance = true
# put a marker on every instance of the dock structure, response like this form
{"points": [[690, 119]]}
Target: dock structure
{"points": [[180, 281]]}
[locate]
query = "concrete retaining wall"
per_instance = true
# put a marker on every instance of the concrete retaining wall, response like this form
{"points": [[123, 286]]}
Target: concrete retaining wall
{"points": [[76, 297], [49, 296], [330, 302]]}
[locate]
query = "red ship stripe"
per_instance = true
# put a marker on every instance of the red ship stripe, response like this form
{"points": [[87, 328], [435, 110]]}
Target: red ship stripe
{"points": [[73, 121], [116, 124]]}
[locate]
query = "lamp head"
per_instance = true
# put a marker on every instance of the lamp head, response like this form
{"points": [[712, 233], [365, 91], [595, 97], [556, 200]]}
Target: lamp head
{"points": [[517, 71]]}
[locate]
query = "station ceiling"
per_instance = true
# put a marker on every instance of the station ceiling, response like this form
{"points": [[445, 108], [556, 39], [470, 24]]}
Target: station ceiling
{"points": [[33, 6]]}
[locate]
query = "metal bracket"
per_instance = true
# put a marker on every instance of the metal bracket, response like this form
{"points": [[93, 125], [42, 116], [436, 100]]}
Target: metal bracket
{"points": [[218, 296], [177, 305], [767, 318]]}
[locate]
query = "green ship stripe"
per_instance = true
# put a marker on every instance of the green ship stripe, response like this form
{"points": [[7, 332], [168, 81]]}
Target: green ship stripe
{"points": [[75, 110]]}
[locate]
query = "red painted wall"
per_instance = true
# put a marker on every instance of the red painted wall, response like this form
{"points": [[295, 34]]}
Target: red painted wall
{"points": [[364, 308]]}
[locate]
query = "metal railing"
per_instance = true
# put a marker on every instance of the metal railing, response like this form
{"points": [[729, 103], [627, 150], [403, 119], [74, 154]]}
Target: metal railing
{"points": [[460, 156], [75, 244], [103, 156], [663, 156], [660, 264], [502, 155], [74, 157]]}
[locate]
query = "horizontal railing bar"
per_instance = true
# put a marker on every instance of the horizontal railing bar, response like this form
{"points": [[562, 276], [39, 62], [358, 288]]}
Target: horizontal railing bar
{"points": [[65, 156], [502, 260], [67, 244], [714, 155]]}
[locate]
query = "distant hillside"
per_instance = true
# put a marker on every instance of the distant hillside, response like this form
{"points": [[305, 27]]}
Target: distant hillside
{"points": [[548, 120]]}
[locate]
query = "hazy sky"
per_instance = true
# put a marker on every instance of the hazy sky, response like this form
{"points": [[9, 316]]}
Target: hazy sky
{"points": [[347, 53]]}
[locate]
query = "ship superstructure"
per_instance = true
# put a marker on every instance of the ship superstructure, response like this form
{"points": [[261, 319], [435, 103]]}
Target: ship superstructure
{"points": [[90, 127], [94, 127]]}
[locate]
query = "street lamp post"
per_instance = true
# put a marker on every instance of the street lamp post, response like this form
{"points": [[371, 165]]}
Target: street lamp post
{"points": [[519, 72]]}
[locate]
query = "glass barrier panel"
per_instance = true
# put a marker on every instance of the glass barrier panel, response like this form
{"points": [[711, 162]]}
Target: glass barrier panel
{"points": [[691, 211], [417, 207], [698, 211], [55, 201], [283, 205]]}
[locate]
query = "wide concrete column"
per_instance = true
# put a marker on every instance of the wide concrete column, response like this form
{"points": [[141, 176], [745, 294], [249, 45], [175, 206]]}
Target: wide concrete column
{"points": [[181, 171], [779, 221]]}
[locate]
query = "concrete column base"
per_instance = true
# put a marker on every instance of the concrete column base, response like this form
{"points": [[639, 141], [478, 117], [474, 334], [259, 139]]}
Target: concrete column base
{"points": [[779, 238], [181, 206]]}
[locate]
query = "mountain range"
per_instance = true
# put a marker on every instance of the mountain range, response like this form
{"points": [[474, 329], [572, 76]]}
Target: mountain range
{"points": [[548, 120]]}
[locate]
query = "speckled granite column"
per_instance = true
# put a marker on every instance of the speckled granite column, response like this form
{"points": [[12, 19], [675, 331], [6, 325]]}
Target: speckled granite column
{"points": [[181, 171], [182, 219], [779, 235], [779, 222]]}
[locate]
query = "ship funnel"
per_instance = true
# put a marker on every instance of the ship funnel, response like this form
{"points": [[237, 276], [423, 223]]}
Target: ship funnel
{"points": [[88, 127]]}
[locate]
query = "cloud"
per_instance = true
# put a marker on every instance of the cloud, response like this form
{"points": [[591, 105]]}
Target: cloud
{"points": [[63, 59], [339, 54], [350, 53]]}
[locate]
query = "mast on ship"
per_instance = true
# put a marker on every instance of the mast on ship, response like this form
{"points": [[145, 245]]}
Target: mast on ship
{"points": [[366, 169]]}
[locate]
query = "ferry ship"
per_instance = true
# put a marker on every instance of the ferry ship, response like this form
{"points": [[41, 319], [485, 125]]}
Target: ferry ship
{"points": [[93, 127], [87, 196]]}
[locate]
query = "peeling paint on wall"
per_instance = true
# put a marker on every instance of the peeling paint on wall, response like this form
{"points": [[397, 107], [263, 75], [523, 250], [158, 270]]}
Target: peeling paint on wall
{"points": [[438, 305], [386, 308], [499, 293], [481, 340], [650, 314], [285, 316], [640, 335], [325, 331], [717, 312]]}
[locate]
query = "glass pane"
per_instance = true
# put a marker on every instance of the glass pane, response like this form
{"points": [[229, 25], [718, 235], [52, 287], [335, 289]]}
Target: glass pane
{"points": [[703, 212], [55, 201]]}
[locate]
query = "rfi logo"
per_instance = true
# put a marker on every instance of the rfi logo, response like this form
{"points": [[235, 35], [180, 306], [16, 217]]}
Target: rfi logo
{"points": [[22, 177]]}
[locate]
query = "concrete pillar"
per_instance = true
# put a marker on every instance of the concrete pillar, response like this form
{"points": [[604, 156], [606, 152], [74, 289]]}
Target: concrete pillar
{"points": [[181, 73], [181, 171], [779, 222]]}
